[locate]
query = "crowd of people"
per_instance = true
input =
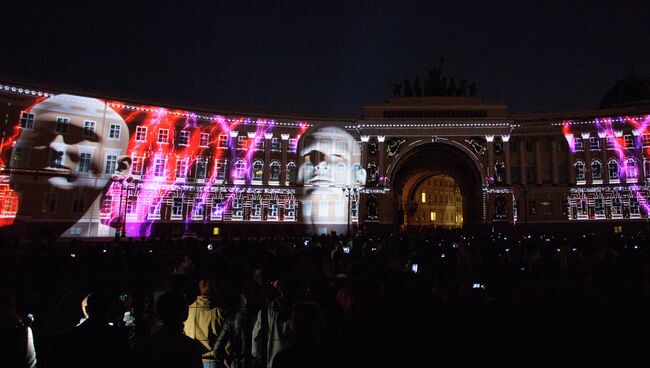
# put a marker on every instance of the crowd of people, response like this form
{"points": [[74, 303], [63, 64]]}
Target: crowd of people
{"points": [[438, 297]]}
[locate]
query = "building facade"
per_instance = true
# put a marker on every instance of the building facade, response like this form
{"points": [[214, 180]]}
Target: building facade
{"points": [[79, 166]]}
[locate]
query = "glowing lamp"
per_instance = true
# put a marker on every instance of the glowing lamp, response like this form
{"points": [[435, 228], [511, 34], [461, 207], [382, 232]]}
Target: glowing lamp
{"points": [[252, 134], [365, 138], [489, 137], [234, 133], [268, 135], [505, 137], [284, 136], [381, 138]]}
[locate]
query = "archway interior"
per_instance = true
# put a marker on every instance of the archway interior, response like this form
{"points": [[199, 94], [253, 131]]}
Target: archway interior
{"points": [[439, 161], [432, 200]]}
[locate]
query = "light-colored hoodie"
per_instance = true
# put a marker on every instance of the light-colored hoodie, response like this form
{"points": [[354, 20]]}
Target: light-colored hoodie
{"points": [[204, 323]]}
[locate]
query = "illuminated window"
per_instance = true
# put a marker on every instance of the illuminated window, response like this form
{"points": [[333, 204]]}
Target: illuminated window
{"points": [[290, 210], [114, 131], [325, 146], [140, 134], [201, 168], [293, 145], [223, 141], [240, 170], [220, 169], [273, 209], [599, 207], [107, 204], [611, 143], [136, 165], [631, 170], [131, 205], [204, 139], [424, 197], [89, 128], [217, 210], [177, 208], [594, 143], [596, 170], [432, 216], [629, 141], [62, 125], [181, 168], [163, 135], [307, 172], [275, 171], [111, 164], [56, 158], [27, 120], [577, 144], [646, 140], [259, 144], [198, 209], [237, 209], [159, 167], [358, 173], [646, 168], [258, 170], [612, 167], [84, 165], [276, 145], [78, 202], [340, 173], [256, 209], [242, 142], [183, 138], [292, 172], [580, 170], [154, 211], [634, 206]]}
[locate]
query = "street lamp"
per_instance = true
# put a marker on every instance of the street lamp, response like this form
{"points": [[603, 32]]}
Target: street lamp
{"points": [[350, 192]]}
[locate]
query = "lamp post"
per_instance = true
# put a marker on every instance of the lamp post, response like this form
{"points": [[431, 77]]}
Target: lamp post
{"points": [[349, 192]]}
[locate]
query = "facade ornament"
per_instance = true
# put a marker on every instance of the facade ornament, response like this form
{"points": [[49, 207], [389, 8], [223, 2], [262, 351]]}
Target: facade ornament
{"points": [[500, 212], [392, 148], [371, 208], [477, 145], [373, 147], [371, 171], [499, 170]]}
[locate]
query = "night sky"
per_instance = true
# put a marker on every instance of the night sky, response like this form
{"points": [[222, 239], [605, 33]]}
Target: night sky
{"points": [[329, 57]]}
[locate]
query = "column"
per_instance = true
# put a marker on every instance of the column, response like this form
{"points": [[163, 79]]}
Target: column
{"points": [[506, 150], [603, 156], [522, 161], [554, 163], [267, 158], [283, 163], [538, 162]]}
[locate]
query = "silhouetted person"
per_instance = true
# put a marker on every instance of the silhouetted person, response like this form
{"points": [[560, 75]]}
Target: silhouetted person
{"points": [[169, 347], [16, 339], [237, 333], [93, 342]]}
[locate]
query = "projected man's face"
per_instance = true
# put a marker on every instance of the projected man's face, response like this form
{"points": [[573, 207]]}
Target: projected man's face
{"points": [[330, 162], [77, 141]]}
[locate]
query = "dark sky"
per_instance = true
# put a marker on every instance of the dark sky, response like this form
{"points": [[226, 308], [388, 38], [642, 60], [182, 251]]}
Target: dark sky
{"points": [[328, 57]]}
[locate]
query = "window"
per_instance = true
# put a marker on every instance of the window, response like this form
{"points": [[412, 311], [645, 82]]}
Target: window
{"points": [[85, 160], [631, 171], [341, 148], [580, 170], [223, 141], [325, 146], [359, 177], [183, 138], [634, 206], [114, 131], [424, 197], [242, 142], [307, 172], [107, 204], [140, 134], [290, 210], [111, 164], [596, 170], [136, 165], [237, 209], [577, 144], [75, 231], [201, 168], [19, 157], [220, 168], [273, 209], [159, 167], [240, 170], [49, 202], [611, 143], [259, 144], [89, 128], [275, 171], [292, 172], [56, 160], [612, 167], [181, 168], [204, 139], [599, 207], [629, 141], [163, 135], [77, 203], [530, 174], [646, 168], [131, 205], [198, 209], [62, 125], [177, 208], [256, 209], [646, 140], [594, 143], [27, 120], [154, 211], [276, 145], [293, 145], [258, 170], [340, 173], [217, 211]]}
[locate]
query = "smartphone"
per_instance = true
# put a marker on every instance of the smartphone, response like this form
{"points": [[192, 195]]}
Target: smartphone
{"points": [[414, 268], [346, 249], [210, 247]]}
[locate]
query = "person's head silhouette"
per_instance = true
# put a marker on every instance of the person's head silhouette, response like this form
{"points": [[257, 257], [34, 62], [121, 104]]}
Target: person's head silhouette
{"points": [[99, 305], [172, 308]]}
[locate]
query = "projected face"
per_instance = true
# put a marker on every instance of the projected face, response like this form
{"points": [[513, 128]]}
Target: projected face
{"points": [[80, 142], [331, 160]]}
